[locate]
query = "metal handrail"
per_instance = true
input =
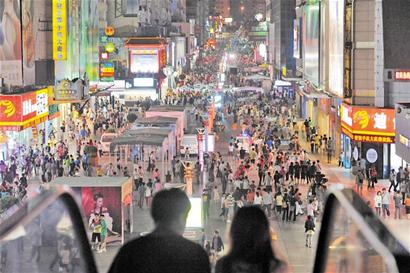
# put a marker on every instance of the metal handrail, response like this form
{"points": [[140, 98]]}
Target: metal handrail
{"points": [[396, 256], [34, 207]]}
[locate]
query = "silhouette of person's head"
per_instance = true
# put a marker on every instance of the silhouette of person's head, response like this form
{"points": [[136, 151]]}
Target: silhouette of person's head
{"points": [[250, 234], [170, 209]]}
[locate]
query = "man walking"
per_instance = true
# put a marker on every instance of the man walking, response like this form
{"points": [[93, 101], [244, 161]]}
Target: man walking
{"points": [[309, 230], [217, 245], [164, 250]]}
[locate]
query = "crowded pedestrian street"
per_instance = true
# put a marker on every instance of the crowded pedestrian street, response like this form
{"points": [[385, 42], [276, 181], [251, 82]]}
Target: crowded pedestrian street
{"points": [[173, 145]]}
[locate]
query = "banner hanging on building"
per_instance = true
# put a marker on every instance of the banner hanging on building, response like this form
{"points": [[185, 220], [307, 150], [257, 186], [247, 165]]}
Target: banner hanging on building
{"points": [[59, 29]]}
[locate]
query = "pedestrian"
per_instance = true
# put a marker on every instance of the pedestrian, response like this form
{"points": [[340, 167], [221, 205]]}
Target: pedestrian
{"points": [[378, 202], [392, 178], [359, 181], [164, 250], [309, 230], [217, 245], [397, 204], [385, 203], [252, 247]]}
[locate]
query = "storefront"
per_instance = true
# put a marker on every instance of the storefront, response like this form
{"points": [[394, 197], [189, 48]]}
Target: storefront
{"points": [[22, 120], [368, 132]]}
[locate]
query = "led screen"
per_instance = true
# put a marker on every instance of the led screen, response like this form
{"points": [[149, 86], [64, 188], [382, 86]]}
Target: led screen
{"points": [[144, 63], [194, 219], [143, 82], [311, 42], [336, 15]]}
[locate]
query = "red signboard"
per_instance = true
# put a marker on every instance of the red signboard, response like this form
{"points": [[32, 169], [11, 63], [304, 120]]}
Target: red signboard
{"points": [[402, 75], [16, 110], [359, 121]]}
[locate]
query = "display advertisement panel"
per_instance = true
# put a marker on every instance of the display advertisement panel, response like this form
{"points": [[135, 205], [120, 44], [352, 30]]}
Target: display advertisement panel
{"points": [[296, 38], [10, 42], [143, 82], [194, 219], [16, 110], [144, 63], [30, 23], [368, 121], [336, 19], [311, 42], [59, 29], [105, 201]]}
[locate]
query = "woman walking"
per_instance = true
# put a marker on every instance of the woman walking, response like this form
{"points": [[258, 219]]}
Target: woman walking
{"points": [[252, 247]]}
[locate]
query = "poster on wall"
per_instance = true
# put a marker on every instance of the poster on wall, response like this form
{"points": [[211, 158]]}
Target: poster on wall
{"points": [[336, 49], [30, 18], [10, 42], [311, 33], [105, 201]]}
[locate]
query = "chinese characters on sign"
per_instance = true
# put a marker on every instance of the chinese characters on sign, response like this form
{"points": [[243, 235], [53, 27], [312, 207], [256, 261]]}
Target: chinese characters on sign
{"points": [[19, 110], [59, 29], [402, 75], [368, 124]]}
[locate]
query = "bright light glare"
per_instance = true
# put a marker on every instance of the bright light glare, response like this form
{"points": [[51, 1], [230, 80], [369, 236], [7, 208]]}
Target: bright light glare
{"points": [[231, 56], [194, 219]]}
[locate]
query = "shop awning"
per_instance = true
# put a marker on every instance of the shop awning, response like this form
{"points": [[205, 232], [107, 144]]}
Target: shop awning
{"points": [[282, 83], [314, 95], [257, 77], [143, 139]]}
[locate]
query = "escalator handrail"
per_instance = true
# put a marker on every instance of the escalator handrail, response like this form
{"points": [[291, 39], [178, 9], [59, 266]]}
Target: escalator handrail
{"points": [[34, 207], [371, 227]]}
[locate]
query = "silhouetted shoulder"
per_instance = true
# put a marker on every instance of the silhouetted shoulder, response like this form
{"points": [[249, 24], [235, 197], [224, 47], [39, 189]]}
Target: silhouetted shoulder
{"points": [[161, 254], [228, 265]]}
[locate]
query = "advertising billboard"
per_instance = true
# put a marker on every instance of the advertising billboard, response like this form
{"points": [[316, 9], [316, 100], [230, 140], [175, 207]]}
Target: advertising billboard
{"points": [[311, 29], [194, 219], [17, 110], [105, 201], [296, 38], [336, 46], [142, 63], [10, 42], [59, 12], [368, 121]]}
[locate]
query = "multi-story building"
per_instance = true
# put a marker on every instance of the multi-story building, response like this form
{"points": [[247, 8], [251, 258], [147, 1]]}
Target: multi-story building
{"points": [[355, 64], [222, 8], [243, 11], [281, 14]]}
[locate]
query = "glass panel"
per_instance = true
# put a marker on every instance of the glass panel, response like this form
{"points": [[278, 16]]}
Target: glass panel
{"points": [[349, 250], [47, 244]]}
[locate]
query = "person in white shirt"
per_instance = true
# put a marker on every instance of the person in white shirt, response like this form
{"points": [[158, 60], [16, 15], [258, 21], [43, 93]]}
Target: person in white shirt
{"points": [[378, 202], [385, 202], [267, 202], [257, 201]]}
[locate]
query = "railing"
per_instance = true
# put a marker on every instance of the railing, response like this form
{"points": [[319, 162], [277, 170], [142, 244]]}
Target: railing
{"points": [[44, 235], [353, 239]]}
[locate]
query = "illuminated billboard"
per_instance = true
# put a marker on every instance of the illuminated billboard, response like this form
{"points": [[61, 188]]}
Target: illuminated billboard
{"points": [[143, 63], [194, 219], [336, 32], [59, 30], [311, 29]]}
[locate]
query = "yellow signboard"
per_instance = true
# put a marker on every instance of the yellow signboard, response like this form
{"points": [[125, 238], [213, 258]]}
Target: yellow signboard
{"points": [[59, 29]]}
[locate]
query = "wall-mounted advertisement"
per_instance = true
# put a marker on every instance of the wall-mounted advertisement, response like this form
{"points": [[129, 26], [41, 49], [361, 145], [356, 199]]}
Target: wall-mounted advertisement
{"points": [[89, 39], [59, 29], [105, 201], [143, 82], [336, 32], [10, 42], [311, 29], [143, 63], [296, 39]]}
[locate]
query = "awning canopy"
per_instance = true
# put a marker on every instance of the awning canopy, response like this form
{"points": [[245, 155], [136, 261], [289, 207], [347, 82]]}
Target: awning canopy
{"points": [[257, 77], [156, 120], [143, 139]]}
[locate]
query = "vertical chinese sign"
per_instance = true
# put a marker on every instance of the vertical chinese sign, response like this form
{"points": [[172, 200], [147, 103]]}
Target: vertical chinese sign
{"points": [[59, 30]]}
